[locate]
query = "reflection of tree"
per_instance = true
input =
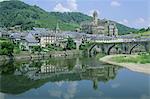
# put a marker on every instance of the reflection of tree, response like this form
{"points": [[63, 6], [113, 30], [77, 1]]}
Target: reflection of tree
{"points": [[37, 64], [12, 84], [95, 84], [8, 68]]}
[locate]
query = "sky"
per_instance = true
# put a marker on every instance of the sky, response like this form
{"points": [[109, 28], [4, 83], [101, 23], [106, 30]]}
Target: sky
{"points": [[133, 13]]}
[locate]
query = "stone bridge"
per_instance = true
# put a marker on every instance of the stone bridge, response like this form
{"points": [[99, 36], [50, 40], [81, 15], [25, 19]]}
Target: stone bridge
{"points": [[119, 46]]}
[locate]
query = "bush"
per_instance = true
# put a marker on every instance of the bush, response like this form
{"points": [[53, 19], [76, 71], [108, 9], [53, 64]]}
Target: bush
{"points": [[70, 44], [6, 48]]}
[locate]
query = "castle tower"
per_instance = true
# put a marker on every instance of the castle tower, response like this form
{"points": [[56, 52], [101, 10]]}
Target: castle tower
{"points": [[95, 18]]}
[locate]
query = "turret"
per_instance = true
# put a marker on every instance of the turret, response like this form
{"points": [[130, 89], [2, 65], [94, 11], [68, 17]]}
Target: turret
{"points": [[95, 18]]}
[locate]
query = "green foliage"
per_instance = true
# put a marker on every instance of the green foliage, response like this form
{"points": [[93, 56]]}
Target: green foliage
{"points": [[100, 55], [122, 29], [16, 50], [71, 17], [53, 47], [70, 44], [36, 49], [141, 58], [143, 30], [6, 48], [85, 46]]}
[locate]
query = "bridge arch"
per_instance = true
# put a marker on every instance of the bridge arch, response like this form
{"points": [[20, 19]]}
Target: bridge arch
{"points": [[91, 47], [109, 49], [140, 47], [130, 51]]}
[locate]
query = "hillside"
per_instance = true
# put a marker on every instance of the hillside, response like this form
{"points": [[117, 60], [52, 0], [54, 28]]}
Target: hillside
{"points": [[15, 12], [124, 29], [18, 13], [143, 33]]}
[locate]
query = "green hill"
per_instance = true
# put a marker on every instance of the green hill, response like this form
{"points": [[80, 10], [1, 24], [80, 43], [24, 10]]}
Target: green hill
{"points": [[122, 29], [18, 13], [15, 12]]}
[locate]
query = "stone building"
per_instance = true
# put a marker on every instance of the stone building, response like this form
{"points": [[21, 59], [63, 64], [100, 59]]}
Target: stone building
{"points": [[50, 39], [97, 26], [28, 42]]}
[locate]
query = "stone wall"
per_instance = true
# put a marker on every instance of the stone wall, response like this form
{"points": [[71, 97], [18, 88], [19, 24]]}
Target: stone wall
{"points": [[28, 56]]}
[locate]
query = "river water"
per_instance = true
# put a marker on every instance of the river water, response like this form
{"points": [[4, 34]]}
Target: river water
{"points": [[71, 78]]}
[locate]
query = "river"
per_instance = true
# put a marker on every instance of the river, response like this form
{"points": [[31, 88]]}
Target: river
{"points": [[71, 78]]}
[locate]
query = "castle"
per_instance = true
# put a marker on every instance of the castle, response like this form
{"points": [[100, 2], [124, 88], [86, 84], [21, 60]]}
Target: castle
{"points": [[97, 26]]}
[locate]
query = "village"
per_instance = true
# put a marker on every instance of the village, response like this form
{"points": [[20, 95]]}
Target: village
{"points": [[42, 38]]}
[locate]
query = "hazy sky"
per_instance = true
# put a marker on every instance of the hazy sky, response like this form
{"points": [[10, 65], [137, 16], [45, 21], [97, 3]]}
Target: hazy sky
{"points": [[133, 13]]}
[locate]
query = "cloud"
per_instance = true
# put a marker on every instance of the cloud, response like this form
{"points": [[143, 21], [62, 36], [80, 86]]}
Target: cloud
{"points": [[55, 93], [60, 8], [71, 91], [2, 96], [4, 0], [115, 3], [145, 97], [124, 21], [59, 84], [149, 22], [71, 5], [140, 20], [116, 85]]}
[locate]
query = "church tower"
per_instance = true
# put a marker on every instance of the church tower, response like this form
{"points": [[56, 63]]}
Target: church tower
{"points": [[57, 28], [95, 18]]}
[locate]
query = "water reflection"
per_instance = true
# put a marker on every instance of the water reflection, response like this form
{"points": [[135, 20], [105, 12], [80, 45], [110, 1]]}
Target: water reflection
{"points": [[19, 77]]}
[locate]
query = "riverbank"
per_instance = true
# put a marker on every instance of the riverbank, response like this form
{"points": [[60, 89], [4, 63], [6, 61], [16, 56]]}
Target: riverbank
{"points": [[137, 67], [29, 56]]}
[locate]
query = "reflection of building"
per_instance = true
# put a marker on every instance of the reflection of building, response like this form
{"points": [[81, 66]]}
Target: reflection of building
{"points": [[95, 74], [104, 27], [100, 74], [52, 69]]}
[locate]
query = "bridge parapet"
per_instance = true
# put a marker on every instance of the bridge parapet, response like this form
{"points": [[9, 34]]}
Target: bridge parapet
{"points": [[120, 40]]}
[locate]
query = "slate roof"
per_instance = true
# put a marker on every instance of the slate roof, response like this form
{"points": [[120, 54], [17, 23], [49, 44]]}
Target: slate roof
{"points": [[30, 38], [15, 36]]}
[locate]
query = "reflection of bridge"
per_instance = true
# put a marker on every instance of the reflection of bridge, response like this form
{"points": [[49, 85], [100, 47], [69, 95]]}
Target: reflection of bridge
{"points": [[119, 45]]}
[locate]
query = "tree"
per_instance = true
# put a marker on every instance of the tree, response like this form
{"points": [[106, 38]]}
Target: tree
{"points": [[70, 44], [36, 49], [7, 48]]}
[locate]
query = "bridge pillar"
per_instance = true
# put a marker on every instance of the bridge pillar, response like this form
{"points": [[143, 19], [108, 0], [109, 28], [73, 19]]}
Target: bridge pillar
{"points": [[78, 43], [109, 48], [147, 46], [77, 46]]}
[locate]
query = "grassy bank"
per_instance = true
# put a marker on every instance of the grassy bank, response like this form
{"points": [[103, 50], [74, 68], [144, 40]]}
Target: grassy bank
{"points": [[139, 59], [100, 55], [137, 63]]}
